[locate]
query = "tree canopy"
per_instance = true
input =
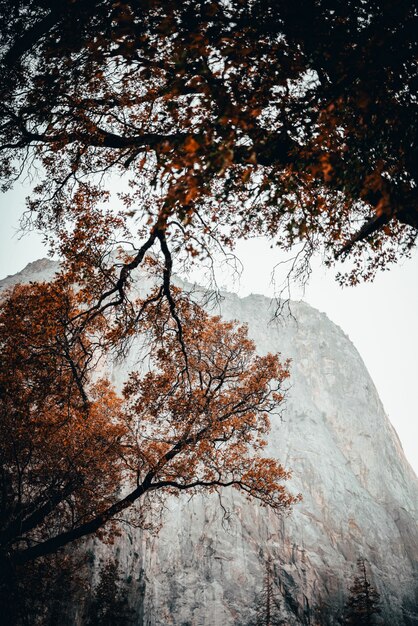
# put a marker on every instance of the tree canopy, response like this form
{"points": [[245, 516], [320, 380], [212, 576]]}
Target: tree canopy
{"points": [[75, 453], [229, 119]]}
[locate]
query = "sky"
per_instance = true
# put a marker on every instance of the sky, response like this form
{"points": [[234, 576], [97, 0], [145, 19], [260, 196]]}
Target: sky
{"points": [[380, 318]]}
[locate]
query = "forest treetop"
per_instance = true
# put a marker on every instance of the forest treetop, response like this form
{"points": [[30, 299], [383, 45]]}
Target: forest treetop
{"points": [[296, 120]]}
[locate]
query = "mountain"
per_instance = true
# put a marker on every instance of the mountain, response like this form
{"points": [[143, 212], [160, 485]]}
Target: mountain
{"points": [[207, 563]]}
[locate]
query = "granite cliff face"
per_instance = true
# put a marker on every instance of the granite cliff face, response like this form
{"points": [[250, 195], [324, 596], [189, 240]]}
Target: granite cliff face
{"points": [[360, 497]]}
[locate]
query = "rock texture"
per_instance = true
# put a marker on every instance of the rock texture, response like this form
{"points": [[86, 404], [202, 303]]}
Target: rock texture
{"points": [[360, 498]]}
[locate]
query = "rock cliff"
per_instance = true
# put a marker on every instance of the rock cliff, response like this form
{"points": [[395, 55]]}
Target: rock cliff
{"points": [[360, 497]]}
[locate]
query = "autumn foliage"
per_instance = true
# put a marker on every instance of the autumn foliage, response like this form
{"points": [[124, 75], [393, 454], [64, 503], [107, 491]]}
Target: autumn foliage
{"points": [[58, 440], [71, 445], [296, 120]]}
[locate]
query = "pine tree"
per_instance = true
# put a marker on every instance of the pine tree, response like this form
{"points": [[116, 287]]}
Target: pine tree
{"points": [[268, 610], [110, 606], [363, 602]]}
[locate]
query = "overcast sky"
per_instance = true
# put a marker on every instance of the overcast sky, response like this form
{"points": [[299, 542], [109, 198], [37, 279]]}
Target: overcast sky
{"points": [[380, 318]]}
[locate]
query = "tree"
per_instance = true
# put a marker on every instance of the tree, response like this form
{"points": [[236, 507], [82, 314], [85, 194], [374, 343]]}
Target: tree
{"points": [[268, 605], [296, 120], [110, 605], [44, 592], [69, 442], [364, 600]]}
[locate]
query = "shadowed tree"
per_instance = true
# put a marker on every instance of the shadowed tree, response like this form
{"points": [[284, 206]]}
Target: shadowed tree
{"points": [[223, 120], [110, 604], [363, 602], [44, 592], [268, 603]]}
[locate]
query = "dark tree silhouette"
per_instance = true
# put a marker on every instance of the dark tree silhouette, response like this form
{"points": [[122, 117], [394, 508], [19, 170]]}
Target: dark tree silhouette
{"points": [[268, 611], [110, 604], [293, 119], [363, 602], [44, 592]]}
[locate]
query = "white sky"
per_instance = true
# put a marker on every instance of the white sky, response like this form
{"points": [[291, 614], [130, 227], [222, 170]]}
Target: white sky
{"points": [[380, 318]]}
